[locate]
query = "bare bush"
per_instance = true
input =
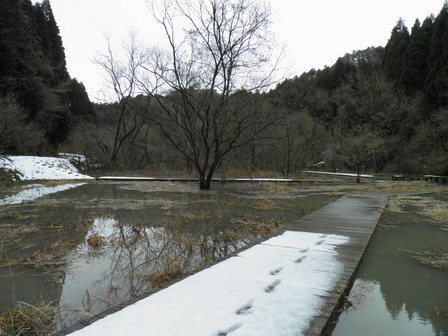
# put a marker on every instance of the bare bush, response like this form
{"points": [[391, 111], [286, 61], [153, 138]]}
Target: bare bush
{"points": [[18, 135]]}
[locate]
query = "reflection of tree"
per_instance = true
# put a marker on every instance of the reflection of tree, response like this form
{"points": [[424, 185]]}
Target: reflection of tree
{"points": [[405, 285], [137, 253], [128, 261]]}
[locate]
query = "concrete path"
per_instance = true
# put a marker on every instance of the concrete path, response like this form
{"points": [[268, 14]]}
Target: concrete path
{"points": [[215, 180], [287, 285], [353, 216]]}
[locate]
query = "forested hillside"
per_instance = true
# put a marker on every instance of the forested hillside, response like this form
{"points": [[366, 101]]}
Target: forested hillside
{"points": [[379, 109], [39, 102], [382, 108]]}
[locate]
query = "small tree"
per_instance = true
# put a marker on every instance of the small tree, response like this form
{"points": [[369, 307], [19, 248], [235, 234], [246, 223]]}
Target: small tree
{"points": [[205, 87], [360, 148], [296, 141]]}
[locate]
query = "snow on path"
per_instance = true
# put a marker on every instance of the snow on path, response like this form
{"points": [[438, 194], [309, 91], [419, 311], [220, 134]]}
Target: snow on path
{"points": [[42, 168], [274, 288], [229, 179], [36, 192], [338, 174]]}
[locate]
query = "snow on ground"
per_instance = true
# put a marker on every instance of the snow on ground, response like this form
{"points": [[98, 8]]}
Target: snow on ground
{"points": [[76, 158], [42, 168], [35, 192], [274, 288], [262, 179], [337, 174]]}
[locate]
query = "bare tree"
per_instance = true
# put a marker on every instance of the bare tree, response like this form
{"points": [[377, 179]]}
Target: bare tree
{"points": [[122, 79], [361, 148], [297, 140], [18, 135], [205, 87]]}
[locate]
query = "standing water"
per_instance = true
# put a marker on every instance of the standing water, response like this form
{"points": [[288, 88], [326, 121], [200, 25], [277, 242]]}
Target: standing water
{"points": [[88, 249], [394, 293]]}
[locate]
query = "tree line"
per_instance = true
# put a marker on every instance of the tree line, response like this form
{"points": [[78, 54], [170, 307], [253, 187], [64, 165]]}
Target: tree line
{"points": [[203, 105], [39, 102]]}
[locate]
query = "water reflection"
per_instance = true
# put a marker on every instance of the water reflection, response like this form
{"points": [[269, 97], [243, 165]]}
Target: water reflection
{"points": [[131, 260], [97, 246], [406, 298]]}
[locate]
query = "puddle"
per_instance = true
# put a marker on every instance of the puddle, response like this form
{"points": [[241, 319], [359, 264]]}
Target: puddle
{"points": [[96, 246], [393, 293]]}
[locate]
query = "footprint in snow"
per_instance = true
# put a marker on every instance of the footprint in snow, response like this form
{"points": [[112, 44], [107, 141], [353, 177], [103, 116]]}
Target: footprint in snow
{"points": [[227, 331], [276, 271], [300, 259], [246, 309], [272, 286]]}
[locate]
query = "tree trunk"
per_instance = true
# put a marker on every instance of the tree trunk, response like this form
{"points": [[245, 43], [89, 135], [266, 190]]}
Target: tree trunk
{"points": [[205, 179], [204, 182], [358, 175]]}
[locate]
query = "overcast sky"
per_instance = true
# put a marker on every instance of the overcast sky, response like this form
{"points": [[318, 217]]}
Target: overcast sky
{"points": [[316, 32]]}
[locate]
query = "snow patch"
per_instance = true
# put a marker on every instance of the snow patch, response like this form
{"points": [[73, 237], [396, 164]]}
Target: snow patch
{"points": [[42, 168], [36, 192]]}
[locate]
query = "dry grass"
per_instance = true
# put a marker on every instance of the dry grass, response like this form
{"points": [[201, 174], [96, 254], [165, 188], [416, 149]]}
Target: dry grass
{"points": [[436, 259], [25, 319], [9, 232], [405, 186], [271, 186], [430, 207], [391, 187], [96, 241], [26, 216], [263, 205], [54, 183], [162, 277], [52, 259], [248, 225], [439, 213], [192, 217], [171, 269]]}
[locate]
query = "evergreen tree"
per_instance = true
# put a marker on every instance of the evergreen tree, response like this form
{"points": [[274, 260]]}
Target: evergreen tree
{"points": [[33, 69], [416, 56], [22, 65], [395, 50], [81, 107], [332, 77], [51, 42], [366, 61], [436, 85]]}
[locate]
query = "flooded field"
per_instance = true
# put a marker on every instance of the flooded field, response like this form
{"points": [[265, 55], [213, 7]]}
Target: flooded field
{"points": [[84, 250], [401, 287]]}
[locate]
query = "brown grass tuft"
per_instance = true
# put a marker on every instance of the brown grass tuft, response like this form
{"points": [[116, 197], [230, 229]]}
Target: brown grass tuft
{"points": [[96, 241], [439, 213], [436, 259], [163, 276], [25, 319], [248, 225]]}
